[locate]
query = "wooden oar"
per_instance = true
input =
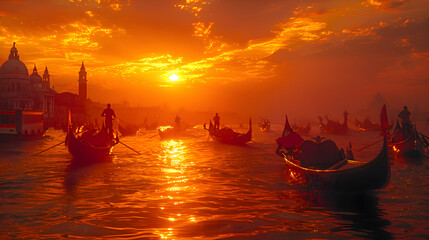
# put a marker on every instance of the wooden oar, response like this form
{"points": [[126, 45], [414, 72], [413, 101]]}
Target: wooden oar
{"points": [[123, 121], [424, 139], [129, 147], [154, 135], [48, 148], [369, 145]]}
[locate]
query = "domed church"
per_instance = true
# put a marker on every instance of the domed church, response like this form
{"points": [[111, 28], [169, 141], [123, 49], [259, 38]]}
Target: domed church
{"points": [[19, 90]]}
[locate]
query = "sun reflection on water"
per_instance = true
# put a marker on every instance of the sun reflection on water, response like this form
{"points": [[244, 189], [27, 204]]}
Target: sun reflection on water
{"points": [[163, 128], [177, 171]]}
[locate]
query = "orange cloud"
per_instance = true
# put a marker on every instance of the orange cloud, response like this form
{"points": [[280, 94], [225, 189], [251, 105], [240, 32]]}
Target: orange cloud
{"points": [[115, 5], [140, 43], [384, 4]]}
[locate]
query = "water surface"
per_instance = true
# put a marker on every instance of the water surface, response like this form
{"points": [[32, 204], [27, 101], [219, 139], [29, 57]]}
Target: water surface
{"points": [[197, 188]]}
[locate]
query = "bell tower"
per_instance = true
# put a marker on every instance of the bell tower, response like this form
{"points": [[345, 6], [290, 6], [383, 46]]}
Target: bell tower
{"points": [[46, 79], [83, 94]]}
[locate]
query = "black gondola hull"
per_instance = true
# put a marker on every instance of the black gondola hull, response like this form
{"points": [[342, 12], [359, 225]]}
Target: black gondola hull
{"points": [[374, 174], [238, 139], [85, 152]]}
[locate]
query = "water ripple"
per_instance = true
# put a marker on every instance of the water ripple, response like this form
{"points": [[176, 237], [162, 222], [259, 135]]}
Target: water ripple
{"points": [[197, 188]]}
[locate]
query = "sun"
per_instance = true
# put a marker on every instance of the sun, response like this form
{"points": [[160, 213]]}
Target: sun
{"points": [[173, 77]]}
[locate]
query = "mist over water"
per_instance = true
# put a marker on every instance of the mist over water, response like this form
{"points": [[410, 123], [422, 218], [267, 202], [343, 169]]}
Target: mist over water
{"points": [[194, 187], [156, 60]]}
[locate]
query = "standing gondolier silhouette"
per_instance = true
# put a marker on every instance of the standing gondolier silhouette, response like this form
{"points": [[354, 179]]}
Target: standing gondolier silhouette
{"points": [[404, 115], [109, 115], [216, 120]]}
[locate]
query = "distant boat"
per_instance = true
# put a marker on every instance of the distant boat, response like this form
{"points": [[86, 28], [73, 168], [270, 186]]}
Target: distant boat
{"points": [[265, 125], [334, 127], [367, 125], [320, 165], [21, 125], [170, 132], [128, 129], [173, 131], [303, 131], [228, 136]]}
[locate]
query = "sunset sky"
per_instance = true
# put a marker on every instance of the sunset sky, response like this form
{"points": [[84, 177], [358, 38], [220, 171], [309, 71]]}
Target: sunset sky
{"points": [[228, 55]]}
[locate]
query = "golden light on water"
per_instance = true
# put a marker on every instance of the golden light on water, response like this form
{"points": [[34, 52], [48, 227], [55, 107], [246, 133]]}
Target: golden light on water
{"points": [[177, 171], [163, 128], [173, 77]]}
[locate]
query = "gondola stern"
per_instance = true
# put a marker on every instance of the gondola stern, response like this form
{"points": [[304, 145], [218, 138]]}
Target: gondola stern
{"points": [[384, 123], [384, 156], [287, 128], [397, 127], [249, 132]]}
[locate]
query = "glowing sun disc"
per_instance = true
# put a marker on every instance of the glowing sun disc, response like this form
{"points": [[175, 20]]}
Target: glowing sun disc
{"points": [[173, 77]]}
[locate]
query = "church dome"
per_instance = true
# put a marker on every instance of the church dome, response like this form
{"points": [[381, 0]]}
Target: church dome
{"points": [[13, 65], [35, 75]]}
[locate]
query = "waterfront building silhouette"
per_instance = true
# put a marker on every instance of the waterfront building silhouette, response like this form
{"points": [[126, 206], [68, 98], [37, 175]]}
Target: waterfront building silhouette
{"points": [[21, 91]]}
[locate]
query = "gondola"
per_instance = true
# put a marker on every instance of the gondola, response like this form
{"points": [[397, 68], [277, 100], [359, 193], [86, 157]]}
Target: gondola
{"points": [[176, 131], [367, 125], [228, 136], [339, 173], [265, 125], [128, 130], [303, 131], [334, 127], [170, 133], [410, 145], [90, 146]]}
